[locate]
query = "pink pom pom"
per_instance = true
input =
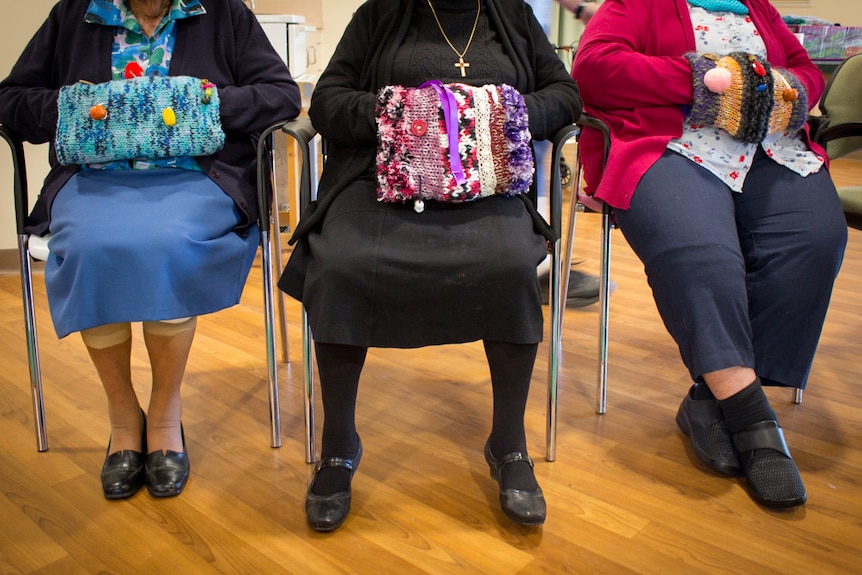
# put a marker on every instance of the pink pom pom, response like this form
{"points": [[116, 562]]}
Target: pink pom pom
{"points": [[717, 80]]}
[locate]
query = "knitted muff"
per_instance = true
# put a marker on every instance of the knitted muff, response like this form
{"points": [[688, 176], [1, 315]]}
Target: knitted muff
{"points": [[733, 92], [452, 143], [138, 118]]}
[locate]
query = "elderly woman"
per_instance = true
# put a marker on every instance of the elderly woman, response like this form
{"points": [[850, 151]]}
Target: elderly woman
{"points": [[158, 238], [720, 193], [385, 274]]}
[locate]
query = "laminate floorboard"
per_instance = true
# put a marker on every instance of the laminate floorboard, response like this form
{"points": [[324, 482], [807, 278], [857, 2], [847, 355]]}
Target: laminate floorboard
{"points": [[626, 495]]}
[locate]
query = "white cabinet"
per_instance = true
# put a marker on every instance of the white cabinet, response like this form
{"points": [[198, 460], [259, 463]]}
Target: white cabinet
{"points": [[288, 33]]}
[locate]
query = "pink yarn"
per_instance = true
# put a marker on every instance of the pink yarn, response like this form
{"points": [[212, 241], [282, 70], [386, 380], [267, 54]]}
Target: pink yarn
{"points": [[717, 80]]}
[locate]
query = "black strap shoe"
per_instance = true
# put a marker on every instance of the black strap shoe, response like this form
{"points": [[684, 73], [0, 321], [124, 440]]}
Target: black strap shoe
{"points": [[327, 512], [521, 506], [771, 474]]}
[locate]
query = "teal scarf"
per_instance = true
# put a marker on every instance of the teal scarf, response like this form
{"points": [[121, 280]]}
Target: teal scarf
{"points": [[734, 6]]}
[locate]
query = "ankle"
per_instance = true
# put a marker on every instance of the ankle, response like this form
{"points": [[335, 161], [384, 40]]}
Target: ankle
{"points": [[126, 433], [746, 407], [165, 436]]}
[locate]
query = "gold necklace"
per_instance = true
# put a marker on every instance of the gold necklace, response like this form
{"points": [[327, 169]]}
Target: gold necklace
{"points": [[460, 63]]}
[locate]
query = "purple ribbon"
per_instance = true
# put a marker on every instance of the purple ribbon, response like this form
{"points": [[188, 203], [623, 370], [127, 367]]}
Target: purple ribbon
{"points": [[450, 116]]}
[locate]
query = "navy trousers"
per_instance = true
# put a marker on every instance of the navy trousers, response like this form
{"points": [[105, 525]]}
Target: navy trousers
{"points": [[740, 279]]}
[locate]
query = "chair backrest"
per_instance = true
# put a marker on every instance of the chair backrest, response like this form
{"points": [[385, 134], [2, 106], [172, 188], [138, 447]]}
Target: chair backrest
{"points": [[842, 104], [19, 167]]}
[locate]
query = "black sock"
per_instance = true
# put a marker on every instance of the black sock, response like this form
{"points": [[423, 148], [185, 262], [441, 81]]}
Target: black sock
{"points": [[746, 407], [701, 391]]}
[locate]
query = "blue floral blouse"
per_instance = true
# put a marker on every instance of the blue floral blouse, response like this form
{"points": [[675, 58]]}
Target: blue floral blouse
{"points": [[151, 56], [716, 150]]}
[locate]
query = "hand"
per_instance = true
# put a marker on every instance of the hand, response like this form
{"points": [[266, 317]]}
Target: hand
{"points": [[733, 92], [583, 10]]}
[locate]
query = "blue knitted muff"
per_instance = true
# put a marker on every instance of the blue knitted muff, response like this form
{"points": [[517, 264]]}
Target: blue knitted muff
{"points": [[734, 6], [141, 118]]}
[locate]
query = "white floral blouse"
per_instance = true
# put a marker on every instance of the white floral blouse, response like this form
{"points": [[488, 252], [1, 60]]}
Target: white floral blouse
{"points": [[716, 150]]}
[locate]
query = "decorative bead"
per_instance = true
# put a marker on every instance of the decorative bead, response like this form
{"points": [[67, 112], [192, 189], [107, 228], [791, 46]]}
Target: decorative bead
{"points": [[133, 70], [758, 68], [790, 95], [418, 128], [418, 206], [761, 87], [169, 117], [717, 80], [98, 112], [208, 90]]}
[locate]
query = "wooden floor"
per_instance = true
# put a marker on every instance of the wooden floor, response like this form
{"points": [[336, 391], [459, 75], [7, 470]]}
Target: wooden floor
{"points": [[625, 495]]}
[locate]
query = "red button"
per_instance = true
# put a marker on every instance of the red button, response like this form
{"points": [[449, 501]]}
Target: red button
{"points": [[758, 68], [418, 127], [133, 70]]}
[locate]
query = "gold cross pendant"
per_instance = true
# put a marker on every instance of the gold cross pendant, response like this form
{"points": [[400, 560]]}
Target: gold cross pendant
{"points": [[463, 65]]}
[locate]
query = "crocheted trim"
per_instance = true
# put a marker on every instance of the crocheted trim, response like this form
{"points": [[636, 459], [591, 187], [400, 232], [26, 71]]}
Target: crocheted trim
{"points": [[734, 6], [413, 159]]}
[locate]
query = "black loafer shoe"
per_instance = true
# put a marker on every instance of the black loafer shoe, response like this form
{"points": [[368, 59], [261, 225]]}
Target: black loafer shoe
{"points": [[771, 475], [327, 512], [521, 506], [701, 420], [122, 474], [123, 471], [168, 471]]}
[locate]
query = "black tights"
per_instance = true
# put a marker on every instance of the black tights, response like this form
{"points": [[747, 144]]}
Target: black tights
{"points": [[511, 367]]}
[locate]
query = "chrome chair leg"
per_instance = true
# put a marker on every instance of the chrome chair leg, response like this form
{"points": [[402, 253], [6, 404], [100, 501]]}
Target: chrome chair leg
{"points": [[271, 344], [797, 396], [559, 281], [308, 378], [604, 312], [32, 343], [277, 258]]}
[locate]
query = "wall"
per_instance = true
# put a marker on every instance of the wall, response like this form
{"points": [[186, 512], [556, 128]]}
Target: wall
{"points": [[21, 20]]}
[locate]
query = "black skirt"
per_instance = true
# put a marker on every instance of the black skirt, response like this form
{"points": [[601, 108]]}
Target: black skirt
{"points": [[379, 274]]}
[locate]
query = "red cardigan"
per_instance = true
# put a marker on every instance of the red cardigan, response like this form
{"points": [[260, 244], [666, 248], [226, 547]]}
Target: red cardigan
{"points": [[633, 76]]}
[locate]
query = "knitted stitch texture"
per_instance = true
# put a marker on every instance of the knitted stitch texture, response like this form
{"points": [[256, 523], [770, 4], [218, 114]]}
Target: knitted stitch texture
{"points": [[139, 118], [743, 109], [493, 142], [790, 108]]}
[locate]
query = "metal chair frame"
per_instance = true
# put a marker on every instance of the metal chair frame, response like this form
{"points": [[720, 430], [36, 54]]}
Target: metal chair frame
{"points": [[608, 224], [266, 183], [557, 299]]}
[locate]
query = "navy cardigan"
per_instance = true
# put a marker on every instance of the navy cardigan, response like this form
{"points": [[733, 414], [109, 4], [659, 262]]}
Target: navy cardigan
{"points": [[226, 45]]}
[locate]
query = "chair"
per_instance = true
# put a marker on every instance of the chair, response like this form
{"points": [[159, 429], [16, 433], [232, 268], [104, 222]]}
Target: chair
{"points": [[36, 248], [839, 127], [306, 137], [596, 205]]}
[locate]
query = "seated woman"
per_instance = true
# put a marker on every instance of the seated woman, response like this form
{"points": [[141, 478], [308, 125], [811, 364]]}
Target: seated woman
{"points": [[720, 193], [379, 274], [155, 240]]}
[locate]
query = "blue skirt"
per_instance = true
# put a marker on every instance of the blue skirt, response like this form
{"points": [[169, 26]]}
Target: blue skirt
{"points": [[143, 246]]}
